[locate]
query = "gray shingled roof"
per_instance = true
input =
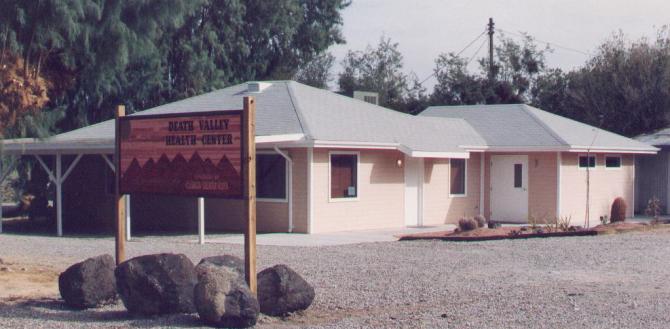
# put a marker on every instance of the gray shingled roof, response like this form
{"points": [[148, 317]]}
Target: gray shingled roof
{"points": [[524, 126], [328, 116], [289, 108], [658, 138]]}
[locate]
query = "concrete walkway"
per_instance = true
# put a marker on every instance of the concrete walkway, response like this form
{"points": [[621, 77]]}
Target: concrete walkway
{"points": [[325, 239]]}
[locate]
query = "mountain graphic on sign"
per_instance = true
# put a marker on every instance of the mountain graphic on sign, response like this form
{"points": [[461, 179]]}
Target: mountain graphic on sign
{"points": [[163, 166], [179, 163], [229, 174], [149, 169], [173, 176], [134, 171]]}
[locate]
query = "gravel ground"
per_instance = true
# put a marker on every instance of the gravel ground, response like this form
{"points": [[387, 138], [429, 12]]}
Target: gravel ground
{"points": [[615, 281]]}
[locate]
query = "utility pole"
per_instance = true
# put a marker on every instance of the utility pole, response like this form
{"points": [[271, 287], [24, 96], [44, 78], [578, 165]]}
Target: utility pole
{"points": [[491, 31]]}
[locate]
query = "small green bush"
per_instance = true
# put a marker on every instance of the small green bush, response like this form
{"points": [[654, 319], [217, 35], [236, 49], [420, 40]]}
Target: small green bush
{"points": [[618, 213]]}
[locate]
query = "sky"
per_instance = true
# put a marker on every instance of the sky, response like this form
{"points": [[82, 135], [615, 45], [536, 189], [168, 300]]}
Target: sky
{"points": [[425, 28]]}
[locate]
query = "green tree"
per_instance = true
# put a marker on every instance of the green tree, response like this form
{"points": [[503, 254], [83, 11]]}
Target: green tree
{"points": [[455, 85], [317, 73], [624, 87], [95, 54], [226, 42], [379, 70], [516, 68]]}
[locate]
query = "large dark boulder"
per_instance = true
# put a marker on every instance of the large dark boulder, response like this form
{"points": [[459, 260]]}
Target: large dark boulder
{"points": [[281, 290], [223, 299], [157, 284], [229, 261], [89, 284]]}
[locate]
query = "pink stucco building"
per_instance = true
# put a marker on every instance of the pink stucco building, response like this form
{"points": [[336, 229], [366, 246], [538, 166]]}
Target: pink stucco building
{"points": [[329, 163]]}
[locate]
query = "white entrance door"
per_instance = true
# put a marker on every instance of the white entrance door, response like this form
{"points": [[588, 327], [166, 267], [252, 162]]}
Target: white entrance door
{"points": [[413, 191], [509, 188]]}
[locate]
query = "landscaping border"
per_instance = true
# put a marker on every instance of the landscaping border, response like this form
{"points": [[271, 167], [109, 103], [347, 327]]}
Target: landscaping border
{"points": [[499, 237]]}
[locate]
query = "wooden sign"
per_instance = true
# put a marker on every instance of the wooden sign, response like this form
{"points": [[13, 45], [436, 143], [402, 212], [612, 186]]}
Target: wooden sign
{"points": [[208, 154], [193, 154]]}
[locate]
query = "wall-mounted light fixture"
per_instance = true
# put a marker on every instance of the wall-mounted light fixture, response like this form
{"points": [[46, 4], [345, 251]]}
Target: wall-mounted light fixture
{"points": [[398, 163]]}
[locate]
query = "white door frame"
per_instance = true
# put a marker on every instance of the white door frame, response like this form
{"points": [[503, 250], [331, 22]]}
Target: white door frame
{"points": [[511, 205], [414, 172]]}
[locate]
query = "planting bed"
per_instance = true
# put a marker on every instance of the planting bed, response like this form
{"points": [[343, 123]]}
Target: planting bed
{"points": [[525, 232]]}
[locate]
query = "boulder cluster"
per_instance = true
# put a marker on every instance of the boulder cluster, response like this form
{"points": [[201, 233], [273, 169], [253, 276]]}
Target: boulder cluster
{"points": [[160, 284]]}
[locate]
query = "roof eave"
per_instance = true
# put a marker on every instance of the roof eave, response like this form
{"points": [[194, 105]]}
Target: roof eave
{"points": [[614, 149], [29, 146]]}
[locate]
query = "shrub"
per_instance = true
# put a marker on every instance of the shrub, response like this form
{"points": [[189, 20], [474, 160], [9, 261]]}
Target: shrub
{"points": [[618, 210], [532, 222], [467, 224], [653, 208], [481, 220], [604, 219], [563, 223]]}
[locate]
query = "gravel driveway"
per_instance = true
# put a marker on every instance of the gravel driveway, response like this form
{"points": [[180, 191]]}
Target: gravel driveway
{"points": [[615, 281]]}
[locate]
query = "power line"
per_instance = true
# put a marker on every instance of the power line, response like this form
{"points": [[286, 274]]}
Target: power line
{"points": [[547, 42], [476, 52], [457, 54]]}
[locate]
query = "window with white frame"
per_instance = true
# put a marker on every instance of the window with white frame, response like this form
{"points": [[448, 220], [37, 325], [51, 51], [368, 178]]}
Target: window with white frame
{"points": [[587, 161], [270, 176], [457, 177], [612, 161], [343, 175]]}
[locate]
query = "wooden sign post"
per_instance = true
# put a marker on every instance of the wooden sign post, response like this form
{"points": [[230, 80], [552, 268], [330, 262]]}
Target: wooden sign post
{"points": [[119, 202], [249, 156]]}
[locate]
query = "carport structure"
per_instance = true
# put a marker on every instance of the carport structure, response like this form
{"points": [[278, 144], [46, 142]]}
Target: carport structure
{"points": [[59, 156]]}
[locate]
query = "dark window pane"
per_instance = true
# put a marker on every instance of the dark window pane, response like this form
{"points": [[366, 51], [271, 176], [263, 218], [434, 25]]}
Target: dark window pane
{"points": [[518, 175], [343, 182], [270, 176], [457, 176], [583, 160], [612, 162]]}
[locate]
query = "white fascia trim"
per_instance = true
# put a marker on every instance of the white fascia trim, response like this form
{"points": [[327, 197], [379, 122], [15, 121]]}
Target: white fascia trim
{"points": [[42, 147], [573, 148], [353, 145], [526, 148], [388, 146], [279, 138], [477, 149], [29, 146], [617, 150], [451, 155]]}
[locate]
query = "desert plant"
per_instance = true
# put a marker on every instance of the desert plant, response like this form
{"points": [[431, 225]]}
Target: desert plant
{"points": [[604, 219], [467, 224], [618, 213], [481, 221], [653, 207], [515, 233], [563, 223], [532, 222]]}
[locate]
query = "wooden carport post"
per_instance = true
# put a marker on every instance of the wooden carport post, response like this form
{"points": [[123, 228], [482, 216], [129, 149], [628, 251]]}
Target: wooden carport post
{"points": [[249, 180], [119, 202]]}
